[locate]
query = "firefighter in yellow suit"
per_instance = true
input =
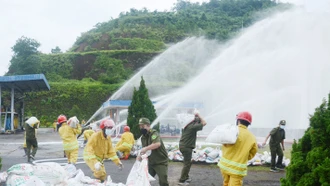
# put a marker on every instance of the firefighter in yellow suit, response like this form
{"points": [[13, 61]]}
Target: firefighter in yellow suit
{"points": [[126, 143], [99, 147], [69, 137], [87, 134], [233, 163]]}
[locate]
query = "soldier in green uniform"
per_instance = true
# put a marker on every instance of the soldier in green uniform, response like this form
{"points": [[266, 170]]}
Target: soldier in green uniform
{"points": [[158, 160], [31, 139], [187, 144], [277, 136]]}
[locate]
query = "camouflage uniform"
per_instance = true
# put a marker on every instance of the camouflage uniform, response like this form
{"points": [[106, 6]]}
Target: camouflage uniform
{"points": [[277, 135], [158, 160], [186, 145]]}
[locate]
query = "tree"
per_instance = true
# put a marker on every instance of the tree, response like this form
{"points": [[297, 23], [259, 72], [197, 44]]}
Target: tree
{"points": [[56, 50], [25, 59], [310, 162], [141, 106], [25, 47]]}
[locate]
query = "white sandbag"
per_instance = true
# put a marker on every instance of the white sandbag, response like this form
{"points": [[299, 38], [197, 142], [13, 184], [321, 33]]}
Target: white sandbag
{"points": [[207, 150], [21, 169], [139, 174], [32, 121], [223, 134], [71, 170], [73, 122], [286, 162], [18, 180], [185, 119], [170, 155], [50, 173], [72, 182], [214, 154], [85, 180], [138, 142], [3, 177], [211, 160]]}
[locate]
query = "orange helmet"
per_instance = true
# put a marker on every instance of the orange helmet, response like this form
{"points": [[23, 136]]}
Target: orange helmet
{"points": [[107, 123], [126, 129], [61, 118], [246, 116]]}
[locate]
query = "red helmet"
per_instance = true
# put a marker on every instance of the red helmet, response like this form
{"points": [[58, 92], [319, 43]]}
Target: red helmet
{"points": [[126, 129], [61, 118], [107, 123], [246, 116]]}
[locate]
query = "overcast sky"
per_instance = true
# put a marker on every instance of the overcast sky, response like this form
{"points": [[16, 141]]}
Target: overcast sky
{"points": [[60, 22]]}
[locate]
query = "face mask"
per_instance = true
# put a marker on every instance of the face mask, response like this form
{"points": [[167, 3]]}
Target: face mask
{"points": [[282, 126], [108, 132], [144, 131]]}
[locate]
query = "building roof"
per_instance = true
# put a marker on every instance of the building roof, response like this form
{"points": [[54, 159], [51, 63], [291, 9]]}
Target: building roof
{"points": [[25, 83]]}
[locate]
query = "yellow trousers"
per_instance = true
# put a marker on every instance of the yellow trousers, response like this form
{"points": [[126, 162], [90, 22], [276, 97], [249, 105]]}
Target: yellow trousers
{"points": [[98, 174], [232, 180], [125, 150], [72, 155]]}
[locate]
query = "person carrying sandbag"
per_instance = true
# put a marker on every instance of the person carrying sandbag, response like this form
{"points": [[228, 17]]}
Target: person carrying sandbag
{"points": [[99, 147], [233, 163], [158, 160], [31, 140], [126, 143], [68, 133], [187, 144]]}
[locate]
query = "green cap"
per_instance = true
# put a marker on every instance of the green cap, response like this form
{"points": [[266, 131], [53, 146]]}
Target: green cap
{"points": [[144, 121], [282, 122]]}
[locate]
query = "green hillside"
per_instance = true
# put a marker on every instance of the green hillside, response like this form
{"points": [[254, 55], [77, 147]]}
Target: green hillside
{"points": [[102, 59]]}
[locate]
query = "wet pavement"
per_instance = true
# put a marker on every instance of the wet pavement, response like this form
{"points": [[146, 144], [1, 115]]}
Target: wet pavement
{"points": [[50, 147]]}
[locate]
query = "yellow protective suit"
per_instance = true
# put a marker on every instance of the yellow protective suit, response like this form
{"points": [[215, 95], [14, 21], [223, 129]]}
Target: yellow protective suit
{"points": [[54, 125], [126, 143], [233, 163], [70, 142], [97, 149], [88, 133]]}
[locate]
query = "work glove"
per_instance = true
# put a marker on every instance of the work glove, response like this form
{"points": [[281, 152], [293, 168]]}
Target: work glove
{"points": [[120, 166], [97, 166]]}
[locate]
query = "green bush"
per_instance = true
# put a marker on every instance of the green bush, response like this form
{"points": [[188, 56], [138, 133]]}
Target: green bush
{"points": [[310, 157], [72, 98], [136, 44]]}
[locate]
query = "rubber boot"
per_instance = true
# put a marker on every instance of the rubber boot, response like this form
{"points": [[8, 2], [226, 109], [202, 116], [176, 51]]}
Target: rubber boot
{"points": [[125, 157]]}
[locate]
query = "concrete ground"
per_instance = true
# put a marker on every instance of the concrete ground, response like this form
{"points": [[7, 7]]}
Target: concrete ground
{"points": [[50, 147]]}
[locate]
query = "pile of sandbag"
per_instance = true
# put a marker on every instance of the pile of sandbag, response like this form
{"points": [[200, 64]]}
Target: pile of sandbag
{"points": [[265, 158], [49, 174], [53, 174], [210, 155]]}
